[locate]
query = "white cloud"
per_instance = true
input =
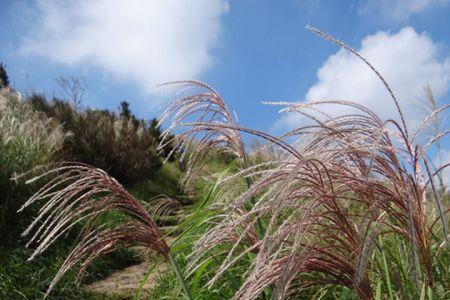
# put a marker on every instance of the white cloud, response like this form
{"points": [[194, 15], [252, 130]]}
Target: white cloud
{"points": [[442, 158], [399, 10], [407, 60], [148, 42]]}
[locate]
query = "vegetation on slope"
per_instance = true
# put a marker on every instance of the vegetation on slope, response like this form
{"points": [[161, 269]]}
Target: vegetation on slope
{"points": [[35, 131]]}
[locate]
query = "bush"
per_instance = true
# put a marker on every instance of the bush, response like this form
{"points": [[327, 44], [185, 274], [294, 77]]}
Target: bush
{"points": [[121, 144]]}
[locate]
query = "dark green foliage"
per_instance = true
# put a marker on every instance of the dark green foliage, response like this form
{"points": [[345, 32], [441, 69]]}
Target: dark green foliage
{"points": [[124, 150], [125, 111], [121, 144], [4, 79], [20, 279], [164, 181]]}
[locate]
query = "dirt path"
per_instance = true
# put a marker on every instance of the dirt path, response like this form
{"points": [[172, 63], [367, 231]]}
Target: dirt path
{"points": [[124, 283]]}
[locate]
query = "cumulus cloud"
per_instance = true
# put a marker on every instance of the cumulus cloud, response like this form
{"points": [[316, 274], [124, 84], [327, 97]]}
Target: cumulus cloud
{"points": [[147, 42], [399, 10], [408, 61], [441, 159]]}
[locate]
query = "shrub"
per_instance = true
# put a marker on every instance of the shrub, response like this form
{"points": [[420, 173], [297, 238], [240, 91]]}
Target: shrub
{"points": [[122, 145]]}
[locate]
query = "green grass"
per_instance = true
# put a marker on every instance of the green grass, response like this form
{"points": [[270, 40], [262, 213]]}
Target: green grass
{"points": [[163, 181], [192, 227], [20, 279]]}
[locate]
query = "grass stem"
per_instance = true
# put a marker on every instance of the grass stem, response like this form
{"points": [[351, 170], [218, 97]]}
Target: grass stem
{"points": [[175, 267]]}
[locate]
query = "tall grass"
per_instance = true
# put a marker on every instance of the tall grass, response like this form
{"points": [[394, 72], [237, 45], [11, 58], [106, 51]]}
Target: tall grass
{"points": [[27, 138], [81, 194], [334, 209]]}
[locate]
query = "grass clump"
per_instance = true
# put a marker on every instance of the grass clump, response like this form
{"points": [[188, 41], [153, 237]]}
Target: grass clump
{"points": [[27, 139]]}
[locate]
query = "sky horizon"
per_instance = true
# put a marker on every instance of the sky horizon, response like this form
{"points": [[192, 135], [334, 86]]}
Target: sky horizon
{"points": [[250, 51]]}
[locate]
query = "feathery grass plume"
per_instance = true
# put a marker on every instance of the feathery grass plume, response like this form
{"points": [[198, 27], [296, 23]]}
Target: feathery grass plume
{"points": [[409, 166], [384, 178], [362, 58], [187, 113], [27, 138], [162, 205], [283, 191], [303, 215], [80, 194], [23, 129], [433, 123]]}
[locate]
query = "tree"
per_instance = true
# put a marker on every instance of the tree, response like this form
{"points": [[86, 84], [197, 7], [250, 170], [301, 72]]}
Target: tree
{"points": [[125, 111], [4, 80], [73, 88]]}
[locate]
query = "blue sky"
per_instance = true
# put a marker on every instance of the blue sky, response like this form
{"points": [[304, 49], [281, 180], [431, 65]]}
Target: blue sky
{"points": [[249, 50]]}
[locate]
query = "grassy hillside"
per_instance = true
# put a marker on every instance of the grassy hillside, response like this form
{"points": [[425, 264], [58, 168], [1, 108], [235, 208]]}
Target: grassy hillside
{"points": [[35, 131]]}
